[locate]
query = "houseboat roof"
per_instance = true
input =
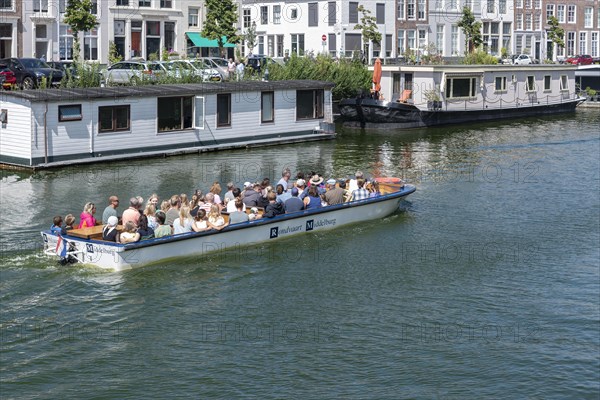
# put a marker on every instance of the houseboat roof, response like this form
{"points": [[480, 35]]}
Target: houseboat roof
{"points": [[189, 89]]}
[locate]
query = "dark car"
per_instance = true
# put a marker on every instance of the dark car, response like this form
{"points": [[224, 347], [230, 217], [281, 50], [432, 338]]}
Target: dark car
{"points": [[30, 72], [580, 59], [68, 68], [258, 61], [7, 77]]}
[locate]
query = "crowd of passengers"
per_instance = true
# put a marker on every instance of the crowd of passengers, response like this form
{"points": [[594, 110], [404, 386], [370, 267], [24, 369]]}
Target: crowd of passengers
{"points": [[205, 211]]}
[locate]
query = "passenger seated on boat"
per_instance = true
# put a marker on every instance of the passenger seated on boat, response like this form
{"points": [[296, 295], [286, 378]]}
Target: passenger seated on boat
{"points": [[56, 224], [252, 195], [253, 214], [239, 215], [209, 202], [111, 209], [153, 200], [110, 232], [145, 231], [200, 222], [352, 186], [361, 193], [231, 205], [215, 219], [140, 204], [285, 178], [183, 223], [129, 234], [229, 193], [87, 216], [274, 208], [282, 193], [69, 224], [302, 189], [334, 194], [405, 96], [196, 203], [150, 213], [183, 200], [312, 199], [317, 180], [162, 229], [131, 214], [347, 194], [373, 189], [293, 204], [215, 189], [173, 211]]}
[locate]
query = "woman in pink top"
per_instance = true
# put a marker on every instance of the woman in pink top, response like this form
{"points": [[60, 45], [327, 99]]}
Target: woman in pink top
{"points": [[87, 216]]}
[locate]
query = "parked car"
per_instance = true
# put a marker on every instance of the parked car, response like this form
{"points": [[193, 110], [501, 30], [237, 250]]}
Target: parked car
{"points": [[7, 78], [580, 59], [206, 69], [523, 59], [220, 64], [133, 72], [30, 72], [509, 59]]}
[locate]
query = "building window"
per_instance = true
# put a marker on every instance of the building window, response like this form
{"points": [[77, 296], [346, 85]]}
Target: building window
{"points": [[264, 15], [502, 6], [454, 40], [353, 12], [40, 5], [70, 112], [519, 22], [537, 22], [247, 17], [401, 47], [560, 13], [223, 110], [452, 4], [528, 4], [564, 83], [145, 3], [549, 11], [530, 84], [490, 7], [331, 13], [309, 104], [571, 14], [193, 17], [421, 9], [583, 43], [294, 14], [123, 3], [594, 44], [410, 9], [66, 43], [90, 45], [267, 107], [6, 4], [500, 84], [277, 14], [588, 17], [298, 44], [547, 81], [460, 87], [469, 4], [401, 9], [313, 14], [152, 38], [440, 38], [261, 44], [537, 4], [279, 45], [411, 41], [528, 23], [175, 113], [570, 43], [439, 4], [113, 118], [380, 13], [422, 38], [166, 4]]}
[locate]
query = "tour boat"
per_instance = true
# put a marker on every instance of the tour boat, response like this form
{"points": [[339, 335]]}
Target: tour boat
{"points": [[86, 245]]}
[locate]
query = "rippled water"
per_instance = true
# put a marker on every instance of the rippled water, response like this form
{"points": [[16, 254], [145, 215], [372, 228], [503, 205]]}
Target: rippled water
{"points": [[485, 284]]}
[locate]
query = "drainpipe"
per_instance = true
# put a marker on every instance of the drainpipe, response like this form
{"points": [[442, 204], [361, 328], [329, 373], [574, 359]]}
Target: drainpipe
{"points": [[45, 135]]}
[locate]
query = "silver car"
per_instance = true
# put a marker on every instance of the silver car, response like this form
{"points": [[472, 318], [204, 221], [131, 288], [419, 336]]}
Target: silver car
{"points": [[133, 72], [179, 68], [220, 64]]}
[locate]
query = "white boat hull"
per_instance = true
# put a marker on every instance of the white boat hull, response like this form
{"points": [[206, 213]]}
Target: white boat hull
{"points": [[121, 257]]}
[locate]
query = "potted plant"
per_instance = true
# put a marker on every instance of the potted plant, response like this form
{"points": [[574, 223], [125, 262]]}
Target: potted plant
{"points": [[434, 102]]}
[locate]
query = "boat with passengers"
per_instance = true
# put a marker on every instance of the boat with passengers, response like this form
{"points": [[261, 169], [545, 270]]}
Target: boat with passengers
{"points": [[86, 245]]}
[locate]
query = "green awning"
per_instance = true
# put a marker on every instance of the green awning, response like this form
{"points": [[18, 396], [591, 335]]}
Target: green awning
{"points": [[200, 41]]}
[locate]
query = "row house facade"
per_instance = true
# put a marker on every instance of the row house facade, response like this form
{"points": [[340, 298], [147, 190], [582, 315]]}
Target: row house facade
{"points": [[36, 28]]}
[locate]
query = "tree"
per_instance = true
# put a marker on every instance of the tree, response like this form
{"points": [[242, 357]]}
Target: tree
{"points": [[221, 17], [250, 36], [368, 27], [471, 29], [556, 34], [79, 17]]}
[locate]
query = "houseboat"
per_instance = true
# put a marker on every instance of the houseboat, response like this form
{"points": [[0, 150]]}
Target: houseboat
{"points": [[53, 127], [86, 245], [425, 95]]}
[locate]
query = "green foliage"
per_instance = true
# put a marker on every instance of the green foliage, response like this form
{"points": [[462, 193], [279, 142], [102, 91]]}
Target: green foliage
{"points": [[504, 52], [79, 17], [431, 55], [471, 29], [154, 57], [349, 76], [250, 36], [368, 26], [590, 92], [221, 18], [479, 57], [113, 55], [556, 34], [82, 75]]}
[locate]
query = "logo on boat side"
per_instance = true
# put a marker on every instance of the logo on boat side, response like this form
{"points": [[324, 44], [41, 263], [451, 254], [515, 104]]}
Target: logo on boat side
{"points": [[274, 233], [89, 248], [309, 225]]}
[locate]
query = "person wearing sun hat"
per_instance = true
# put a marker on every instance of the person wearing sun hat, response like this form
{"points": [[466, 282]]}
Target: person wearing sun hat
{"points": [[317, 181]]}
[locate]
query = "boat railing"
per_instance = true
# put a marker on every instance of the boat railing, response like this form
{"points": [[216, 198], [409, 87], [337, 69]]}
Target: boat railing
{"points": [[530, 100]]}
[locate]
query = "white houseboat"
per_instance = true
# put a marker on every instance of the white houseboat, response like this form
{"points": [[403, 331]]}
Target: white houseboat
{"points": [[425, 95], [52, 127]]}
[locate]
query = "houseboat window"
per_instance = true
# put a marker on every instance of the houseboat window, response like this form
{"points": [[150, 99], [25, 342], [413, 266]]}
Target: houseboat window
{"points": [[309, 104], [199, 113], [547, 81], [113, 118], [500, 84], [530, 85], [174, 113], [71, 112], [460, 87], [223, 110], [564, 82], [267, 110]]}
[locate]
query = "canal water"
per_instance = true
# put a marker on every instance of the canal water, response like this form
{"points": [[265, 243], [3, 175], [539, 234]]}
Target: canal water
{"points": [[484, 284]]}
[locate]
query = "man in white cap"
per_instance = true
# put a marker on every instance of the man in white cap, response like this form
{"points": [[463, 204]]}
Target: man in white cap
{"points": [[302, 188], [334, 195]]}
